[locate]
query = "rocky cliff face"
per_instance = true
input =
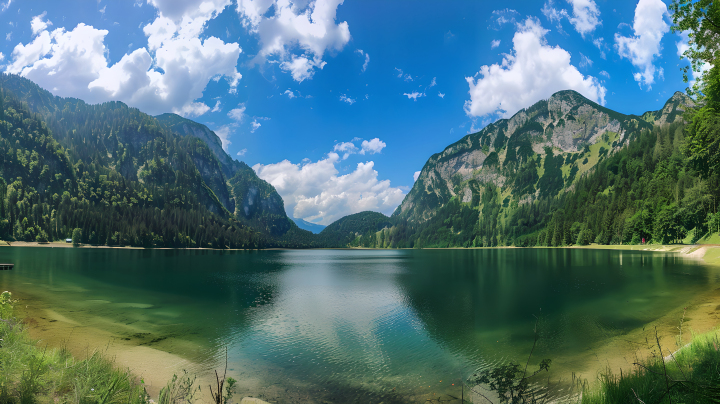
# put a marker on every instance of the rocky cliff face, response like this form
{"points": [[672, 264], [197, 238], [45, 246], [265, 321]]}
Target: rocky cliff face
{"points": [[186, 127], [539, 151]]}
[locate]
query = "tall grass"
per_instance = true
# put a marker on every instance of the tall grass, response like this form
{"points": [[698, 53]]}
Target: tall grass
{"points": [[31, 375], [690, 375]]}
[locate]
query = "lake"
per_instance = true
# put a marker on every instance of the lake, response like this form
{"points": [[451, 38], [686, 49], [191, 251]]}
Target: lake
{"points": [[361, 325]]}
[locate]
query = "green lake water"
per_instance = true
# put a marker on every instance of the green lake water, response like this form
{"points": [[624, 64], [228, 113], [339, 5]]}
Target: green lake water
{"points": [[360, 325]]}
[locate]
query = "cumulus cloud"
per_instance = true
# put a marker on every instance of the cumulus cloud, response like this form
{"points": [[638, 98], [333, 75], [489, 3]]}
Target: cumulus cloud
{"points": [[345, 98], [242, 152], [237, 114], [290, 94], [534, 71], [315, 191], [441, 95], [255, 126], [373, 146], [292, 26], [416, 175], [641, 49], [414, 95], [38, 25], [494, 44], [585, 15], [347, 148], [169, 75]]}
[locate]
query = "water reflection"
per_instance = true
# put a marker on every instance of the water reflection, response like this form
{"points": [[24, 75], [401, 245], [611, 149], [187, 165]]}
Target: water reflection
{"points": [[356, 326]]}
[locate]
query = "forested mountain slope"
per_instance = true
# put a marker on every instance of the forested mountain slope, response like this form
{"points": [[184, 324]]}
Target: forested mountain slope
{"points": [[357, 230], [561, 172], [124, 177]]}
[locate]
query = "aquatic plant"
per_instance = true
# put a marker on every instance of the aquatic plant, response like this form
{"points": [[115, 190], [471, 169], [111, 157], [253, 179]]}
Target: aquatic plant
{"points": [[510, 382]]}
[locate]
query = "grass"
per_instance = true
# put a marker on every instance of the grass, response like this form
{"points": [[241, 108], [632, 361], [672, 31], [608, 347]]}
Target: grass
{"points": [[30, 374], [690, 375]]}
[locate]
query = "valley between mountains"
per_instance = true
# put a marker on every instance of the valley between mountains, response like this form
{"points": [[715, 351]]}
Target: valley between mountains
{"points": [[563, 171]]}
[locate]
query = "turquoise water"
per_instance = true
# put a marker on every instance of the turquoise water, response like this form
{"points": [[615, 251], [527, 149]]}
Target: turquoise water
{"points": [[359, 325]]}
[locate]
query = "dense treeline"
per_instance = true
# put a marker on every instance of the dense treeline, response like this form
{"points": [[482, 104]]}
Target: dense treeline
{"points": [[44, 196], [649, 190]]}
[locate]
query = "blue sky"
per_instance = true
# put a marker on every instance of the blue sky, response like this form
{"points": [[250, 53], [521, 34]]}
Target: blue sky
{"points": [[338, 103]]}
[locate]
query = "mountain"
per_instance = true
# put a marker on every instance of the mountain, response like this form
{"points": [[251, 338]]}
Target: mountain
{"points": [[563, 171], [186, 127], [256, 202], [539, 151], [311, 227], [125, 177], [353, 230]]}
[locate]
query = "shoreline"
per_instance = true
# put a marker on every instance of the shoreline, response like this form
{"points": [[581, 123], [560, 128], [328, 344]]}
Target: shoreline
{"points": [[157, 367], [153, 366]]}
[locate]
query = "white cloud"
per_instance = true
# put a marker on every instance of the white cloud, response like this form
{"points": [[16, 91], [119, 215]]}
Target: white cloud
{"points": [[347, 148], [604, 73], [494, 44], [441, 95], [345, 98], [553, 14], [38, 25], [600, 44], [5, 5], [400, 72], [217, 107], [408, 77], [416, 175], [586, 16], [102, 10], [290, 94], [502, 17], [223, 133], [8, 36], [255, 126], [367, 59], [316, 191], [2, 56], [649, 27], [169, 75], [237, 114], [295, 24], [242, 152], [373, 146], [433, 83], [585, 61], [534, 71], [414, 95]]}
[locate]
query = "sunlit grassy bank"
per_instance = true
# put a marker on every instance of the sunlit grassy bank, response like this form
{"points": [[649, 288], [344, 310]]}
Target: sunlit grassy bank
{"points": [[33, 374], [690, 375]]}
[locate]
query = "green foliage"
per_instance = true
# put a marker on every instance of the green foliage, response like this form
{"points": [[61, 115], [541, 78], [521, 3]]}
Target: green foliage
{"points": [[701, 19], [124, 178], [691, 375], [77, 236], [358, 230]]}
